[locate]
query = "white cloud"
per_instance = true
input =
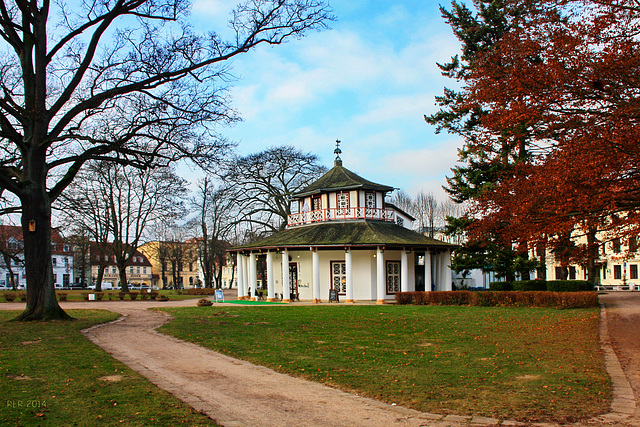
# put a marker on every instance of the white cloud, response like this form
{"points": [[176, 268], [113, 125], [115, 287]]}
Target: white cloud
{"points": [[212, 8], [429, 162]]}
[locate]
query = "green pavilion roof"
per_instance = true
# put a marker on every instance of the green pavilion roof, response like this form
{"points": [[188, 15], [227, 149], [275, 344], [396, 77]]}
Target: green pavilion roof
{"points": [[348, 233], [340, 178]]}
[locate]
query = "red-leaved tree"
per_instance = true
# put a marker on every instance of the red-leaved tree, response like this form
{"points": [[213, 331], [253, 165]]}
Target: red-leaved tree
{"points": [[567, 78]]}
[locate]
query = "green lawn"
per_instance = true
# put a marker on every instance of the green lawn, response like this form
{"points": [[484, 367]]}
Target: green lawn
{"points": [[52, 375], [510, 363]]}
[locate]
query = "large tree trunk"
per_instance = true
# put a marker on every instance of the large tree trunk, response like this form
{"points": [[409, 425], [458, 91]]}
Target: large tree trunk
{"points": [[36, 230], [592, 256], [122, 273], [101, 268]]}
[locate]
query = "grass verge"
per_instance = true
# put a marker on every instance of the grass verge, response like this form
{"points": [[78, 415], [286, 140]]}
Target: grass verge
{"points": [[52, 375], [512, 363]]}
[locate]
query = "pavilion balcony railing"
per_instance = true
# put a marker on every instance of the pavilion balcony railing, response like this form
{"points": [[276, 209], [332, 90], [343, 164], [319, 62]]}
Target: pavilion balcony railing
{"points": [[336, 214]]}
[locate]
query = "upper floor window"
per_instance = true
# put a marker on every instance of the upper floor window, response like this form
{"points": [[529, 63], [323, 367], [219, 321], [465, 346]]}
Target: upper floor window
{"points": [[13, 244], [67, 248], [342, 203], [615, 245], [633, 243], [370, 200], [53, 261]]}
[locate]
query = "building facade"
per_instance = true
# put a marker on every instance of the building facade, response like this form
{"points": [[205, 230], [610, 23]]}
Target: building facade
{"points": [[618, 265], [174, 264], [12, 268], [139, 272]]}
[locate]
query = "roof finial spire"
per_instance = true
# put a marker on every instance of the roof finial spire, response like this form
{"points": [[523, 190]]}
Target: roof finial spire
{"points": [[337, 152]]}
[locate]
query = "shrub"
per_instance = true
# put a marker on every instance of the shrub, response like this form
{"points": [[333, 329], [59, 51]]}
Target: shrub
{"points": [[62, 297], [448, 297], [99, 296], [198, 291], [22, 296], [530, 285], [404, 298], [500, 286], [144, 295], [153, 294], [121, 295], [9, 296], [133, 295], [85, 295], [203, 302], [482, 299], [569, 286], [502, 298]]}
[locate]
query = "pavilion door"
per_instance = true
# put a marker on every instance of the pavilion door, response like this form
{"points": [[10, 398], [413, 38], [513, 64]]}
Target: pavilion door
{"points": [[339, 276], [293, 277], [393, 277]]}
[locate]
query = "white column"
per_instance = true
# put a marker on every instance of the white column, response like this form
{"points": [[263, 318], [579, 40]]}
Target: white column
{"points": [[404, 271], [245, 273], [240, 276], [316, 276], [381, 281], [447, 271], [271, 286], [427, 271], [349, 266], [253, 277], [286, 290], [442, 281]]}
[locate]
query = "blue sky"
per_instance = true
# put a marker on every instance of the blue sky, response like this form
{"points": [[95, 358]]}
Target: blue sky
{"points": [[367, 81]]}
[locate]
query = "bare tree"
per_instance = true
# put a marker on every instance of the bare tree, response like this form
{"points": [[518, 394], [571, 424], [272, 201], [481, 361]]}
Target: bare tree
{"points": [[261, 184], [84, 206], [81, 244], [137, 198], [403, 201], [217, 213], [425, 208], [124, 81]]}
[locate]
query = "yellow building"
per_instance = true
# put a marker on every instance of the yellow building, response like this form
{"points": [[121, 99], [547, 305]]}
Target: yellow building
{"points": [[174, 264]]}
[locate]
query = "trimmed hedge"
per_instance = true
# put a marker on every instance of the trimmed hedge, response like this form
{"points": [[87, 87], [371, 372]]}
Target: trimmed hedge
{"points": [[501, 298], [569, 286], [542, 285], [196, 291], [530, 285], [501, 286]]}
